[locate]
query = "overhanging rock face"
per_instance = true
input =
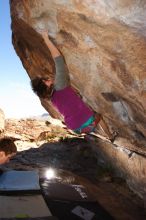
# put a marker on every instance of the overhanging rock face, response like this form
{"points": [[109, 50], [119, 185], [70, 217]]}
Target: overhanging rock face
{"points": [[104, 45]]}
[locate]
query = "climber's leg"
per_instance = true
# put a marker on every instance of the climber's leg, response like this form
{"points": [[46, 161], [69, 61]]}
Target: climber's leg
{"points": [[102, 127]]}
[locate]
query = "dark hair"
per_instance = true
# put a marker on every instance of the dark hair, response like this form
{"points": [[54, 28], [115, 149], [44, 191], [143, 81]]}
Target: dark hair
{"points": [[40, 88], [7, 145]]}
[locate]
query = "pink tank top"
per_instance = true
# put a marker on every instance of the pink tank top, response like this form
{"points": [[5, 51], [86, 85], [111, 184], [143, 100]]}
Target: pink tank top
{"points": [[71, 106]]}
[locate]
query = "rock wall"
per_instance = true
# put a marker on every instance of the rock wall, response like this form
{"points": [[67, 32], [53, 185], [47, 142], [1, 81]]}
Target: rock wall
{"points": [[104, 45]]}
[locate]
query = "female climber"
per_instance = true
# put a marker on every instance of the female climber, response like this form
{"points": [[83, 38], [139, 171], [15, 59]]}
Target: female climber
{"points": [[77, 115]]}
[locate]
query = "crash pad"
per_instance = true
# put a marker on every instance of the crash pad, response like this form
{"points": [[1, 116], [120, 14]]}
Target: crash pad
{"points": [[23, 206]]}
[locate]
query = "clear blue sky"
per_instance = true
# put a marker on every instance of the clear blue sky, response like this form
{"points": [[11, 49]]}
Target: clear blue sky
{"points": [[16, 97]]}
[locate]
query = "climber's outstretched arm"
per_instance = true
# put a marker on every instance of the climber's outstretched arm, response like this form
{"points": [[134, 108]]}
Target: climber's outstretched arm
{"points": [[62, 79], [53, 50]]}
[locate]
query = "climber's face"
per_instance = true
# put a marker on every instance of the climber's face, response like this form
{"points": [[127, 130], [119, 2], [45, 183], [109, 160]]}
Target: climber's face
{"points": [[48, 82]]}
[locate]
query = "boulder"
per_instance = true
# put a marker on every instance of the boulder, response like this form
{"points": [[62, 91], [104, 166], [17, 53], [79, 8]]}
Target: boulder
{"points": [[104, 46]]}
